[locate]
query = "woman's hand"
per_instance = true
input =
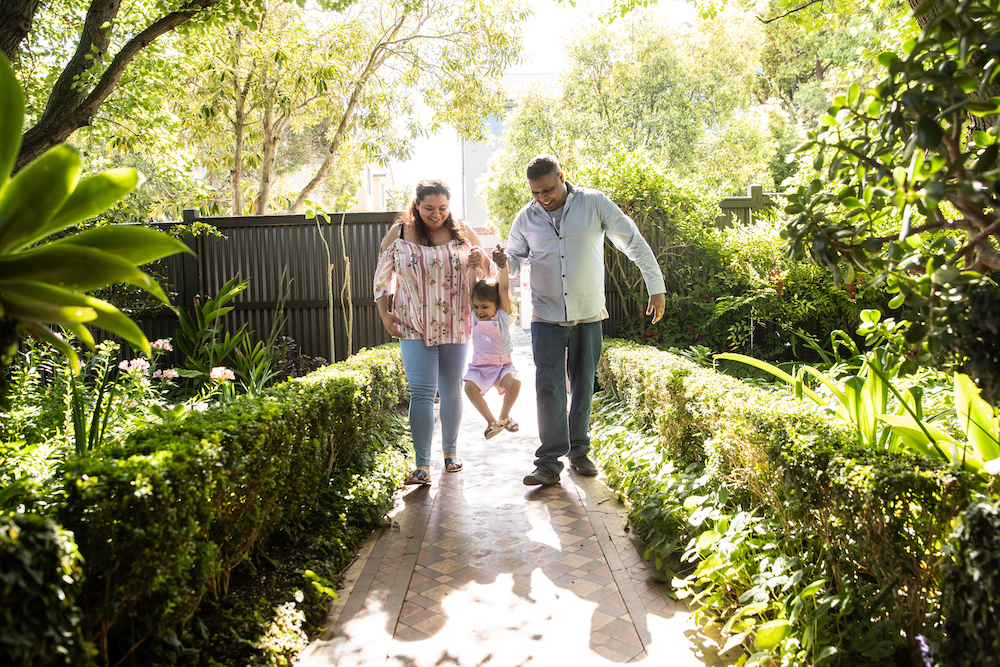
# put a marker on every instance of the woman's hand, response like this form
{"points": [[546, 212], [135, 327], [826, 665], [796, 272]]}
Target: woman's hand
{"points": [[391, 324], [477, 258]]}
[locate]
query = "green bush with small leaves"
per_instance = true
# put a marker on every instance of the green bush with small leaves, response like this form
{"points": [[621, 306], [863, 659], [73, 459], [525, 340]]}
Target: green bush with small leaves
{"points": [[163, 520], [796, 534], [40, 569], [971, 600]]}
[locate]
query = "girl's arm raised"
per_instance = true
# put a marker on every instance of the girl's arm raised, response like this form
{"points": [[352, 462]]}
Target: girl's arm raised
{"points": [[503, 279], [477, 258]]}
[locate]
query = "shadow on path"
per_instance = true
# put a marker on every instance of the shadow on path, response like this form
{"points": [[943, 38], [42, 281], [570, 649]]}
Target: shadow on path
{"points": [[480, 570]]}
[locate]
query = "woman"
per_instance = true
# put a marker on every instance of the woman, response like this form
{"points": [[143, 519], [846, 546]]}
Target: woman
{"points": [[427, 253]]}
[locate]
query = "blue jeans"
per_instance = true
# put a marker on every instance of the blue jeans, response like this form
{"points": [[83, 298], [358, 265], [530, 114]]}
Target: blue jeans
{"points": [[433, 369], [560, 351]]}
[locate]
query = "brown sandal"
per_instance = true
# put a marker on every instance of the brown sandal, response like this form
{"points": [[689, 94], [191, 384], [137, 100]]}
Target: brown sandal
{"points": [[511, 425], [493, 429], [418, 476], [452, 464]]}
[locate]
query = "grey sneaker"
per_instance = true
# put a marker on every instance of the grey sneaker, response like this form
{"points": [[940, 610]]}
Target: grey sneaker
{"points": [[583, 465], [541, 477]]}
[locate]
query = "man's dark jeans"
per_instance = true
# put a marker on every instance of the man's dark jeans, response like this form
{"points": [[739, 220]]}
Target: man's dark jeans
{"points": [[558, 351]]}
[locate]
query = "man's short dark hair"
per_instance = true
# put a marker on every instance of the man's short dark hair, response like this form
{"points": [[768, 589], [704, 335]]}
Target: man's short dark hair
{"points": [[542, 165]]}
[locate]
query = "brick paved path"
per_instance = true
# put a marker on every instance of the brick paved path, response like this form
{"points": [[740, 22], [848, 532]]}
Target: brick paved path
{"points": [[479, 569]]}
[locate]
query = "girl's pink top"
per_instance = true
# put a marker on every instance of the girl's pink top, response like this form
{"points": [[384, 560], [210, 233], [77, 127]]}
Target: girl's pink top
{"points": [[431, 294]]}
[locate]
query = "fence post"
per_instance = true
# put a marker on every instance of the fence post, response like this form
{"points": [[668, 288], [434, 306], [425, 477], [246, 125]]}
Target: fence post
{"points": [[190, 279], [742, 208]]}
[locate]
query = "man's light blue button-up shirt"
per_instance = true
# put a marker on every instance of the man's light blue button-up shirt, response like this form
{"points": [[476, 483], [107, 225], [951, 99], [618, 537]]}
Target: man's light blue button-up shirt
{"points": [[567, 266]]}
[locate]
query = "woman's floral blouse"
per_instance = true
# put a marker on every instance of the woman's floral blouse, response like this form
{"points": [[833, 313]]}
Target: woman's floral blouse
{"points": [[431, 295]]}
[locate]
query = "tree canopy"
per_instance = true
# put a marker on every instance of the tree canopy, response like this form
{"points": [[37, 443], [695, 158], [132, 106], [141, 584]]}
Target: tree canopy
{"points": [[247, 91]]}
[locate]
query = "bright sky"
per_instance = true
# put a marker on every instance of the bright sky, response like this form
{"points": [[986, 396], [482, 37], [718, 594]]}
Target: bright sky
{"points": [[543, 36]]}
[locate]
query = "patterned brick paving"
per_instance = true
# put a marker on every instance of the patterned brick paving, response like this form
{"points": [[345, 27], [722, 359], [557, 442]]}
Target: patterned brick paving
{"points": [[479, 569]]}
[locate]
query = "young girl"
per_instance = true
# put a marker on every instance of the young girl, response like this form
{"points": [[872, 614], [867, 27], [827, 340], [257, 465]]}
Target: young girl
{"points": [[491, 348]]}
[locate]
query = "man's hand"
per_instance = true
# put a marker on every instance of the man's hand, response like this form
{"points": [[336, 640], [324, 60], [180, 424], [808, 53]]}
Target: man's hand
{"points": [[657, 304], [499, 256]]}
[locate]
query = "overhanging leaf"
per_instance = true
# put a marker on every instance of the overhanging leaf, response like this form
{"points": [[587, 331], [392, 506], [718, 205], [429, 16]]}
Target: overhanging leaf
{"points": [[27, 300], [33, 196], [139, 245], [11, 120], [72, 267], [92, 195]]}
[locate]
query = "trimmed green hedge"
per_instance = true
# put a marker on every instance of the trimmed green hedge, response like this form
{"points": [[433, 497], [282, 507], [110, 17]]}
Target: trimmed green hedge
{"points": [[39, 579], [870, 525], [971, 600], [163, 520]]}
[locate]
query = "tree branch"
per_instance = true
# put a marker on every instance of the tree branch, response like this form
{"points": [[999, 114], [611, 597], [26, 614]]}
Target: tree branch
{"points": [[16, 17], [929, 227], [789, 12], [975, 241], [55, 127]]}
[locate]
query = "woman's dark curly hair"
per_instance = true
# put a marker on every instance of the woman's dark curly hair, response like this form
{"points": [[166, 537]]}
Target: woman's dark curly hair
{"points": [[425, 188]]}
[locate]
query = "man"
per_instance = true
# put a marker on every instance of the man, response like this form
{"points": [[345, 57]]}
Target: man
{"points": [[562, 232]]}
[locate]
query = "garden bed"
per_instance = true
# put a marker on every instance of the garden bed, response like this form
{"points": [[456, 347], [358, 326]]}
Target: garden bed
{"points": [[165, 521], [805, 546]]}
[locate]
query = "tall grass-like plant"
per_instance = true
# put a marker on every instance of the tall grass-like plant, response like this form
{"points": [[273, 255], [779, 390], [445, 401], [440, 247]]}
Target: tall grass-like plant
{"points": [[859, 399], [863, 401]]}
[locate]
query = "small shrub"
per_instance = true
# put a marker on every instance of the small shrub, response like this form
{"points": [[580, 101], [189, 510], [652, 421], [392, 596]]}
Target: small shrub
{"points": [[40, 621], [971, 600], [164, 519], [784, 516]]}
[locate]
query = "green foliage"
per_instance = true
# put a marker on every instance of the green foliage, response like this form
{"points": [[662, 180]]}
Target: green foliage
{"points": [[679, 97], [283, 588], [808, 56], [244, 470], [201, 338], [726, 288], [901, 192], [40, 574], [971, 601], [43, 285], [795, 538]]}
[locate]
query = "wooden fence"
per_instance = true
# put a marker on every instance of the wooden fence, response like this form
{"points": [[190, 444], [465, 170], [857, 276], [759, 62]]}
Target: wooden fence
{"points": [[326, 266], [319, 263]]}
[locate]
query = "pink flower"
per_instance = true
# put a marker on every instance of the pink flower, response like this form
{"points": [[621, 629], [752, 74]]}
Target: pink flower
{"points": [[200, 407], [134, 367], [221, 374], [162, 344], [169, 374]]}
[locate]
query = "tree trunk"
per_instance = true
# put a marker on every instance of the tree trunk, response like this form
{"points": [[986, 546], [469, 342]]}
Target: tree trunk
{"points": [[378, 56], [269, 152], [68, 110], [239, 123], [16, 17]]}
